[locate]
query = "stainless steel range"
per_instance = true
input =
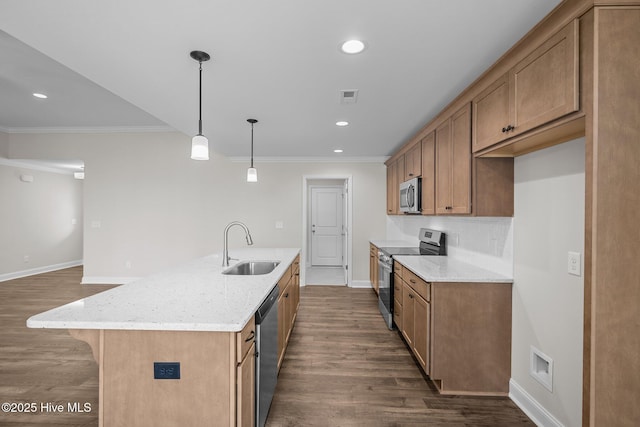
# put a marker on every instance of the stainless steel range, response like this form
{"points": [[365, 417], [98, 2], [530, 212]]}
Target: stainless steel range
{"points": [[432, 242]]}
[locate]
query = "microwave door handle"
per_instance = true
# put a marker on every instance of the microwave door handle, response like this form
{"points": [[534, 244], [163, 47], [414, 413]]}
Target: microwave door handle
{"points": [[410, 194]]}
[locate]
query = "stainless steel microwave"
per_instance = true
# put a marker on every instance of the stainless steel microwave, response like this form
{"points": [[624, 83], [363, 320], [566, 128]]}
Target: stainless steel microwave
{"points": [[410, 196]]}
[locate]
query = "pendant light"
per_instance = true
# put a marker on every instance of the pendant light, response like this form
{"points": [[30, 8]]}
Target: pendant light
{"points": [[252, 173], [200, 143]]}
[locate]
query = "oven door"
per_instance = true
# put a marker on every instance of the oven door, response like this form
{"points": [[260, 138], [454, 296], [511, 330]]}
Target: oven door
{"points": [[385, 291]]}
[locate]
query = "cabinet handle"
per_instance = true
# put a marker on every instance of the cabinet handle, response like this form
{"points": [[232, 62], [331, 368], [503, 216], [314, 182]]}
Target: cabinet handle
{"points": [[410, 174], [412, 281], [508, 128], [250, 337], [410, 296], [504, 130], [286, 295]]}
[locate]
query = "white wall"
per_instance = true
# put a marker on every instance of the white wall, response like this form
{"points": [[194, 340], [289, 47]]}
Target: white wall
{"points": [[486, 242], [158, 208], [547, 301], [36, 220]]}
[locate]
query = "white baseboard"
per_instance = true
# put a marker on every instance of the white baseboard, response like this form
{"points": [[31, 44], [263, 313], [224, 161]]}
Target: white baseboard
{"points": [[360, 284], [39, 270], [107, 280], [534, 410]]}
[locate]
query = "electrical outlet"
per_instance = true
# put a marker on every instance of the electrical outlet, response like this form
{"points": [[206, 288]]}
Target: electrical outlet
{"points": [[166, 370], [574, 267], [127, 264], [26, 258], [279, 224]]}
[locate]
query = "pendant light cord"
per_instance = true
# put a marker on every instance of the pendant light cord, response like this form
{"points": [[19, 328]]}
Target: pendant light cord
{"points": [[200, 115], [252, 145]]}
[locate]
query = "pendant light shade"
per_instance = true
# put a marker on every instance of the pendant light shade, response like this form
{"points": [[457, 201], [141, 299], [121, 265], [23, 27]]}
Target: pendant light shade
{"points": [[200, 148], [200, 143], [252, 173]]}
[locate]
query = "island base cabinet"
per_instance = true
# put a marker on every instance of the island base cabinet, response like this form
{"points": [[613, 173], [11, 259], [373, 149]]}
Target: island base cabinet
{"points": [[471, 338], [215, 388]]}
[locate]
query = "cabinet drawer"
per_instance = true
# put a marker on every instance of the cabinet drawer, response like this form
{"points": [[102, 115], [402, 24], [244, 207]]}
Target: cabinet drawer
{"points": [[397, 287], [420, 286], [245, 339], [397, 268], [397, 314]]}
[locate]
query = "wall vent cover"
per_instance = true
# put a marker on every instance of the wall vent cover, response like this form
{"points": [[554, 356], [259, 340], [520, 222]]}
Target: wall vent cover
{"points": [[349, 96]]}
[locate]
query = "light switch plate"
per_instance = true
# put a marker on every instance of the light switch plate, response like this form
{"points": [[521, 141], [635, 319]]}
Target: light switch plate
{"points": [[279, 224], [574, 267]]}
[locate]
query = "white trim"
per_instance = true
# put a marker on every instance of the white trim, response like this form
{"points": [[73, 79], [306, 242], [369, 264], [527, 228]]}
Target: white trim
{"points": [[89, 129], [39, 270], [107, 280], [534, 410], [361, 284], [303, 252], [337, 159]]}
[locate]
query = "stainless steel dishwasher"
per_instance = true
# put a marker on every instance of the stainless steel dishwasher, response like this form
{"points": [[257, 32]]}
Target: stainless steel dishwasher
{"points": [[267, 355]]}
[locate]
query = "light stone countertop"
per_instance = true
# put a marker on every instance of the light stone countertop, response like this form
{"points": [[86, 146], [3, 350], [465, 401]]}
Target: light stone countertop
{"points": [[195, 296], [446, 269]]}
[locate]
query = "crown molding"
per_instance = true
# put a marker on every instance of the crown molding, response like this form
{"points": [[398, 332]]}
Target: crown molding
{"points": [[310, 159], [88, 129]]}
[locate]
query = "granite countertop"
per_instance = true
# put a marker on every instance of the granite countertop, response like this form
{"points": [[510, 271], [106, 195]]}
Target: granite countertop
{"points": [[446, 269], [195, 296]]}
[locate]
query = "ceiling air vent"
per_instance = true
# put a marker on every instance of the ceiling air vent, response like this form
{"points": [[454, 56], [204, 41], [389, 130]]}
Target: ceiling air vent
{"points": [[349, 96]]}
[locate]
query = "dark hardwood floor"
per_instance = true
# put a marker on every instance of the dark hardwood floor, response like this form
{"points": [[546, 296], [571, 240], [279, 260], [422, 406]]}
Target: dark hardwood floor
{"points": [[342, 367], [45, 365]]}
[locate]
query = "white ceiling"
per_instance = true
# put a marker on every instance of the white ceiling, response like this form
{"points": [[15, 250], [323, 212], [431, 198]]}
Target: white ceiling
{"points": [[125, 65]]}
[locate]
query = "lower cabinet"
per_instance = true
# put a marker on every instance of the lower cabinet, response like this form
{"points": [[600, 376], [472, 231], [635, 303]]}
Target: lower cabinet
{"points": [[373, 266], [288, 302], [460, 333], [245, 389], [415, 324]]}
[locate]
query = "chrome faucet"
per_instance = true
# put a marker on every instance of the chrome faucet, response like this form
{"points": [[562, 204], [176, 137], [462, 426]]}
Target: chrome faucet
{"points": [[225, 250]]}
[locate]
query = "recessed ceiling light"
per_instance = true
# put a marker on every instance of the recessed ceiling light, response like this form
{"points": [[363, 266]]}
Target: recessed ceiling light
{"points": [[40, 95], [342, 123], [337, 150], [352, 46]]}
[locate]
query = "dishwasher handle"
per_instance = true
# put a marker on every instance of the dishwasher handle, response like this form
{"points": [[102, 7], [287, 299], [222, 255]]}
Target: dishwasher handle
{"points": [[267, 305]]}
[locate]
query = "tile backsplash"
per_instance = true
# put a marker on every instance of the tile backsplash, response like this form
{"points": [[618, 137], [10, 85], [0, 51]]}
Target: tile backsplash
{"points": [[486, 242]]}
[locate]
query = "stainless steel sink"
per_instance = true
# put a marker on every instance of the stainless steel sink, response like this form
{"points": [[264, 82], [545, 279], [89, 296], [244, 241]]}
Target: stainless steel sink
{"points": [[252, 268]]}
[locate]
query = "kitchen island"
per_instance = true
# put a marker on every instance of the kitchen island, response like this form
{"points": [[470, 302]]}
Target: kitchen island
{"points": [[176, 347]]}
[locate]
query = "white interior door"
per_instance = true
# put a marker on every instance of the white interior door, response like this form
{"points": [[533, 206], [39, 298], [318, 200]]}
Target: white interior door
{"points": [[326, 226]]}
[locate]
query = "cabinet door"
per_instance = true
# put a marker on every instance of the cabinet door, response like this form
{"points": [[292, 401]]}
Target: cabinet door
{"points": [[408, 297], [245, 382], [421, 327], [443, 167], [491, 114], [413, 162], [429, 174], [461, 161], [289, 312], [392, 189], [545, 83], [282, 333]]}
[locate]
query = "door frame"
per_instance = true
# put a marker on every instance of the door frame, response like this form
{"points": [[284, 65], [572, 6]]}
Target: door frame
{"points": [[348, 179]]}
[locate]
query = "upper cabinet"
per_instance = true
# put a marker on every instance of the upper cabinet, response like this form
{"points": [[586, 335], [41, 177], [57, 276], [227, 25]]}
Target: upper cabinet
{"points": [[413, 162], [453, 163], [542, 87], [392, 189], [429, 174]]}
